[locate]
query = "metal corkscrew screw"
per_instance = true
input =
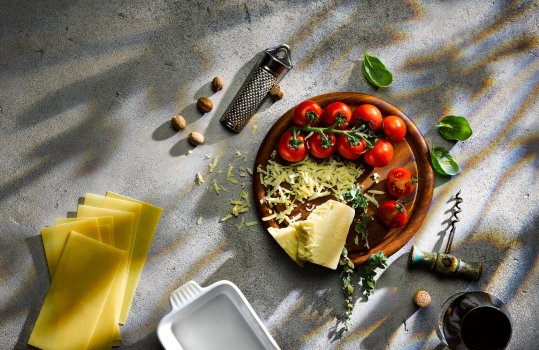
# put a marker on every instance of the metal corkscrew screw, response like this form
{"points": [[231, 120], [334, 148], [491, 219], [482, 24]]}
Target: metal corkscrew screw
{"points": [[271, 68], [445, 263]]}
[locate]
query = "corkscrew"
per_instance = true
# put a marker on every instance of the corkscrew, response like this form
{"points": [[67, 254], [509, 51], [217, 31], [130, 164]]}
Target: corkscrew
{"points": [[445, 263], [271, 68]]}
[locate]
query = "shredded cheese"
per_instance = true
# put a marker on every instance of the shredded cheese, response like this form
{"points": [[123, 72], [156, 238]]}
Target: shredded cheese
{"points": [[229, 175], [213, 163], [199, 179], [288, 185]]}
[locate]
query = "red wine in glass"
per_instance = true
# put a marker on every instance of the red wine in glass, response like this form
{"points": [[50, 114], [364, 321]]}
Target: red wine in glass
{"points": [[475, 321]]}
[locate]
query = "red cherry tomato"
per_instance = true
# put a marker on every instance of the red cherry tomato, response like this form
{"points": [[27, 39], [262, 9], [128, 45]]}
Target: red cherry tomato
{"points": [[392, 214], [292, 150], [380, 155], [400, 182], [348, 151], [306, 112], [369, 114], [337, 113], [394, 128], [320, 147]]}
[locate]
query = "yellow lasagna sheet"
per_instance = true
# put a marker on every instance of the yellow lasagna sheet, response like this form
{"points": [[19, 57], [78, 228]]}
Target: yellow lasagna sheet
{"points": [[77, 295], [55, 238], [149, 218], [101, 220]]}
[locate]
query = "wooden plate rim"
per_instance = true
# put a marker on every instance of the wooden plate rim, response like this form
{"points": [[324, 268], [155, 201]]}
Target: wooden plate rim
{"points": [[415, 140]]}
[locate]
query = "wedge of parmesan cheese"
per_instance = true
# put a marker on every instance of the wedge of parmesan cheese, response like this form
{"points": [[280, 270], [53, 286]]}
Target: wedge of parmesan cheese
{"points": [[319, 239], [322, 236], [288, 240]]}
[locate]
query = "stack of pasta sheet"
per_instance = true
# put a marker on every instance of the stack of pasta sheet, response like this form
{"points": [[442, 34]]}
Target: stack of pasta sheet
{"points": [[95, 262]]}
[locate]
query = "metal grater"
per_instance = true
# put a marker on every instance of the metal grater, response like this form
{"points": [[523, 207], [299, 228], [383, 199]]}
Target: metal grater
{"points": [[273, 66]]}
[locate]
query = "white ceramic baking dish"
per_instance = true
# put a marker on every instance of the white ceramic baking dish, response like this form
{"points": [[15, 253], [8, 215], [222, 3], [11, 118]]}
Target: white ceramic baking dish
{"points": [[215, 317]]}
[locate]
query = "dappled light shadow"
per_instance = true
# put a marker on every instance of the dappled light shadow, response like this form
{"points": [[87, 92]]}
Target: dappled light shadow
{"points": [[164, 55]]}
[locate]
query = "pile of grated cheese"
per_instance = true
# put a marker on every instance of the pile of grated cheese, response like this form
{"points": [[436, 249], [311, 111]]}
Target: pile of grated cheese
{"points": [[306, 180]]}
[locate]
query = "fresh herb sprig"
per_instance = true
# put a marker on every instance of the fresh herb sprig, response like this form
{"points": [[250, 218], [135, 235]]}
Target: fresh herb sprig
{"points": [[357, 200], [367, 272], [348, 287]]}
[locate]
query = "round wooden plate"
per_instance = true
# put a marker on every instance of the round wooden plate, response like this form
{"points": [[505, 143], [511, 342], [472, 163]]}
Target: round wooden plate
{"points": [[411, 153]]}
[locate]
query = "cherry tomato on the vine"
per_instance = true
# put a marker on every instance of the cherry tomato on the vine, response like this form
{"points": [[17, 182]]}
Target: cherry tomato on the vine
{"points": [[394, 128], [380, 154], [348, 151], [321, 147], [392, 214], [337, 113], [400, 182], [292, 148], [369, 114], [307, 112]]}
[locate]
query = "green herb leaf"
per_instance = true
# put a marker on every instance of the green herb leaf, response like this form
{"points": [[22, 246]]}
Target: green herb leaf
{"points": [[367, 272], [454, 127], [362, 228], [356, 198], [376, 72], [443, 162], [348, 288]]}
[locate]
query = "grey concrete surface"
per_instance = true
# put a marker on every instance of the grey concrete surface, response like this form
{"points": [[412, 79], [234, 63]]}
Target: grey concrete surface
{"points": [[87, 90]]}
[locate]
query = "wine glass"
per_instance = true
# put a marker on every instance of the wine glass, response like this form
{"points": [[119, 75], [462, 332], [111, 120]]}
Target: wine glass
{"points": [[476, 321]]}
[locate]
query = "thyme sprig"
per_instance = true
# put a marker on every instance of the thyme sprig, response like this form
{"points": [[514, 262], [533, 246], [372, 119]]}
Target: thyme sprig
{"points": [[348, 287], [357, 200], [367, 272]]}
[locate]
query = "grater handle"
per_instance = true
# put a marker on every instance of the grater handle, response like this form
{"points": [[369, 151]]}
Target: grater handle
{"points": [[275, 63]]}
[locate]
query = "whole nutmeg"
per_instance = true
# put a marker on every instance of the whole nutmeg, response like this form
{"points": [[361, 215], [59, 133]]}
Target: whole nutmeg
{"points": [[277, 92], [422, 298], [178, 122], [204, 105], [217, 84], [196, 138]]}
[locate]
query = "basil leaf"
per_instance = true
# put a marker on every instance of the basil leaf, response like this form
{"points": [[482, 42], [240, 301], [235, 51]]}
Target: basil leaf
{"points": [[443, 162], [454, 127], [376, 72]]}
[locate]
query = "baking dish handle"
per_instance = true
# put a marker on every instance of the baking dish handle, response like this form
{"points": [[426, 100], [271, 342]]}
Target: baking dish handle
{"points": [[185, 294]]}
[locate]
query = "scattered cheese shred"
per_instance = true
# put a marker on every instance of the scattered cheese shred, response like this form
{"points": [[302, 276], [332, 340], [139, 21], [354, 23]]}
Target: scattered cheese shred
{"points": [[225, 218], [241, 224], [229, 175], [216, 186], [251, 223], [375, 192], [287, 185], [199, 179], [213, 163]]}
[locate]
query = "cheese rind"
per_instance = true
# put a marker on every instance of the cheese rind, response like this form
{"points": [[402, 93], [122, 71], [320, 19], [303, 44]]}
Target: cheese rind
{"points": [[77, 294], [149, 218]]}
